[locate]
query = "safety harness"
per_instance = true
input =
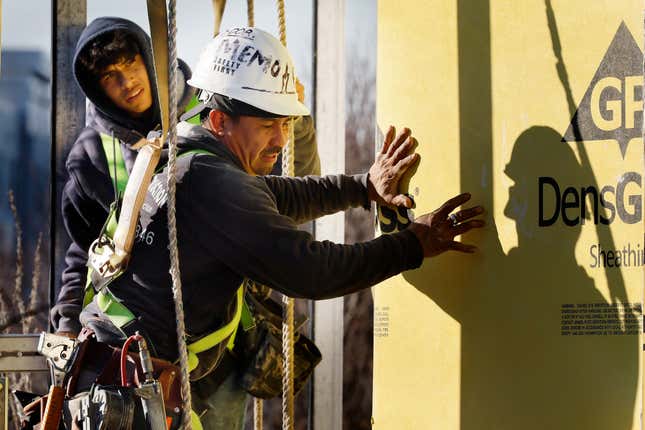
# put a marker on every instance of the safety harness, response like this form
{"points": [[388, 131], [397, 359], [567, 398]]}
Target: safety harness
{"points": [[114, 309]]}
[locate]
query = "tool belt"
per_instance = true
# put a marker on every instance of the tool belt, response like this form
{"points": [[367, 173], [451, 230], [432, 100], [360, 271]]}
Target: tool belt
{"points": [[260, 350], [94, 396]]}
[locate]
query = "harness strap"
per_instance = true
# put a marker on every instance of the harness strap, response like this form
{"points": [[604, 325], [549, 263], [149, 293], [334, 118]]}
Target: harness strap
{"points": [[194, 101], [119, 175], [113, 308], [133, 197], [227, 331], [115, 162], [109, 228]]}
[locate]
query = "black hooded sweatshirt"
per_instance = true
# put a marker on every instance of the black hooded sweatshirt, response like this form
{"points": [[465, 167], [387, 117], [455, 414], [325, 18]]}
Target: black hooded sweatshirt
{"points": [[88, 193]]}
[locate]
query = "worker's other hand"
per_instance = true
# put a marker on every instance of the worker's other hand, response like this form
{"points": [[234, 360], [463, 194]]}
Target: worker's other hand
{"points": [[300, 89], [437, 230], [392, 161]]}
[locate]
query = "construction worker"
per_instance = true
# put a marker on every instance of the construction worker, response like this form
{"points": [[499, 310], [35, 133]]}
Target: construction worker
{"points": [[233, 223], [112, 66]]}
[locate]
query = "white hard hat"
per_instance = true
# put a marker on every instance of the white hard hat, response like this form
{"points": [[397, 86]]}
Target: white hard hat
{"points": [[252, 66]]}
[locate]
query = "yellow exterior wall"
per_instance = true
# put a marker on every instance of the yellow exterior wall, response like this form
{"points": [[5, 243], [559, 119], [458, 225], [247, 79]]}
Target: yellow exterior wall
{"points": [[486, 341]]}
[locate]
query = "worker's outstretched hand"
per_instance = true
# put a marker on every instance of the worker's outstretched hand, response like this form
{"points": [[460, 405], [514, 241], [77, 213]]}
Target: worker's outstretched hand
{"points": [[437, 230], [392, 161]]}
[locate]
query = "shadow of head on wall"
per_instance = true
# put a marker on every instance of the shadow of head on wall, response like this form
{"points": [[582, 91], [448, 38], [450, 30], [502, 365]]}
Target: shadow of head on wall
{"points": [[513, 308]]}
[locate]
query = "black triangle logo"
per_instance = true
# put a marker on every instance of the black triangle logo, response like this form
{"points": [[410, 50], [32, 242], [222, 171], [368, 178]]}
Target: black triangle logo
{"points": [[612, 107]]}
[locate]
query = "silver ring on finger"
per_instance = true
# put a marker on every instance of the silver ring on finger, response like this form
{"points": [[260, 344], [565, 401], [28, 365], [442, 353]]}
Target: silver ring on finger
{"points": [[453, 220]]}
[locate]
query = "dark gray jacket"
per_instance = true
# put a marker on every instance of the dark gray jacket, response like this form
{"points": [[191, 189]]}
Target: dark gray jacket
{"points": [[232, 225]]}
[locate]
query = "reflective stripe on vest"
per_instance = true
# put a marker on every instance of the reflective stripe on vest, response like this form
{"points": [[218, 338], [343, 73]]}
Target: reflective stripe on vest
{"points": [[119, 175], [115, 162], [194, 101], [228, 331]]}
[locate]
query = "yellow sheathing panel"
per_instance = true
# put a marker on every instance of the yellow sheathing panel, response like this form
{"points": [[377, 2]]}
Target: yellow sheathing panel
{"points": [[400, 374], [532, 332]]}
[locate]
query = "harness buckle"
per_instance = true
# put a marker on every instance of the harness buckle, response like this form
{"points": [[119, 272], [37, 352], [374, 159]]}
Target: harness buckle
{"points": [[106, 262]]}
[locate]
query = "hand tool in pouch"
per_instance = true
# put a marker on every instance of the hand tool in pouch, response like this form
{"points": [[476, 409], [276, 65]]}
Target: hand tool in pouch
{"points": [[59, 351]]}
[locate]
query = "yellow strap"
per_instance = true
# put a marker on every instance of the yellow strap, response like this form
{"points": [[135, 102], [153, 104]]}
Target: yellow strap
{"points": [[113, 308], [193, 361], [195, 422], [89, 292], [115, 162], [211, 340]]}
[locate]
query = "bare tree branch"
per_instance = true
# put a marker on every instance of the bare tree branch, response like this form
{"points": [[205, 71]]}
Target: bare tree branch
{"points": [[17, 290]]}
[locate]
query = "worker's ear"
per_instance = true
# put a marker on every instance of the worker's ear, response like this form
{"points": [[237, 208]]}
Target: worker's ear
{"points": [[218, 121]]}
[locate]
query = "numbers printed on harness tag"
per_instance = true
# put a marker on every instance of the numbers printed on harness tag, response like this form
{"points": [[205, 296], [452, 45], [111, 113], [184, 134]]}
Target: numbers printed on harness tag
{"points": [[144, 236]]}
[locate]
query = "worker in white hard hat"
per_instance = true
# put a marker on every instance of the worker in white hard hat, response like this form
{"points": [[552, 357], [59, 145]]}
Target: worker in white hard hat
{"points": [[234, 223], [275, 90]]}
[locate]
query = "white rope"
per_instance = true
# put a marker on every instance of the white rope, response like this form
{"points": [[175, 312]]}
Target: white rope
{"points": [[257, 413], [287, 352], [287, 303], [172, 221], [258, 408]]}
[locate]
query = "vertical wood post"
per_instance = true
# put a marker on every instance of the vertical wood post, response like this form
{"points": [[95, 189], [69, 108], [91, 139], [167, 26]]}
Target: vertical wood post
{"points": [[69, 18], [330, 129]]}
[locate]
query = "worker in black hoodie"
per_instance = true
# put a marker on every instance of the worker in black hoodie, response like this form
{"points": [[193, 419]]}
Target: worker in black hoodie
{"points": [[113, 66]]}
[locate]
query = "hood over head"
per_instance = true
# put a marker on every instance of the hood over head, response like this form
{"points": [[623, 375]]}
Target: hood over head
{"points": [[90, 87]]}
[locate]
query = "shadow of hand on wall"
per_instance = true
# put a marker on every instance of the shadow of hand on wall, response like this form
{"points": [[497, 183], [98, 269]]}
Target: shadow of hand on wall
{"points": [[518, 371]]}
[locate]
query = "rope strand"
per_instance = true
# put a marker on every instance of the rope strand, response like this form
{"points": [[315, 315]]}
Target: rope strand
{"points": [[250, 13], [287, 303], [282, 23], [287, 352], [257, 402], [172, 221], [257, 413]]}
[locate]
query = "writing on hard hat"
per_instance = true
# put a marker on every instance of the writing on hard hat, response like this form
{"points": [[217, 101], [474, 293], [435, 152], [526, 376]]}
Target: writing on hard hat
{"points": [[252, 66]]}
